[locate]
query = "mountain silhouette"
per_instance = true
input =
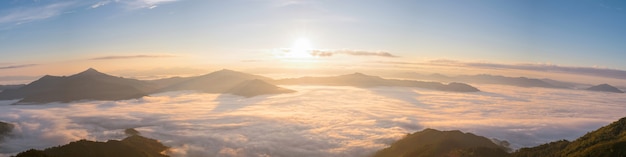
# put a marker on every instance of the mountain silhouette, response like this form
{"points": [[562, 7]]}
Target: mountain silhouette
{"points": [[94, 85], [435, 143], [215, 82], [366, 81], [5, 87], [514, 81], [608, 141], [132, 146], [493, 79], [223, 81], [605, 88], [256, 87], [87, 85]]}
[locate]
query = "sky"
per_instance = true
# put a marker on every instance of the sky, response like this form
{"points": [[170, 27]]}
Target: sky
{"points": [[61, 37]]}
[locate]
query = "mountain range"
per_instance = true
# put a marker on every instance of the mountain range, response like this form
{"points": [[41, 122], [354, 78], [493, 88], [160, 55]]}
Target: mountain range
{"points": [[362, 80], [89, 84], [513, 81], [94, 85]]}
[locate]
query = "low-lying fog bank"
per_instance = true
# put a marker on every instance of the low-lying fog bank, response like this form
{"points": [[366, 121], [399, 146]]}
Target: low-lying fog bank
{"points": [[315, 121]]}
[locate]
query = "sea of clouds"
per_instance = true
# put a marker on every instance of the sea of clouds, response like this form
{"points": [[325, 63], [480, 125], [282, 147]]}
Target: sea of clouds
{"points": [[315, 121]]}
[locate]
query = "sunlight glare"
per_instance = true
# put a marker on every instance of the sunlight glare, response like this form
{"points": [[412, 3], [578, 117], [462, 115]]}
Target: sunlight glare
{"points": [[301, 48]]}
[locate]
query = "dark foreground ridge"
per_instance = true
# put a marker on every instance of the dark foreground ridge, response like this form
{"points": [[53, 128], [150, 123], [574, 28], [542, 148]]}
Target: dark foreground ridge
{"points": [[608, 141], [5, 128], [435, 143], [132, 146]]}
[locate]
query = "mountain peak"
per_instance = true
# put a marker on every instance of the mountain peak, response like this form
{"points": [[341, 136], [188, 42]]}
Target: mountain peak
{"points": [[358, 74], [605, 88], [256, 87], [90, 72], [226, 70]]}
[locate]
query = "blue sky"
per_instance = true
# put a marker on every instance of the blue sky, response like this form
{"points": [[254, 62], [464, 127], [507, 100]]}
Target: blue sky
{"points": [[580, 33]]}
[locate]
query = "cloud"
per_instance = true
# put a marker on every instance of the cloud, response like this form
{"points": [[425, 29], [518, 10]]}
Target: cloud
{"points": [[590, 71], [28, 14], [138, 4], [18, 66], [328, 53], [100, 3], [131, 57], [315, 121]]}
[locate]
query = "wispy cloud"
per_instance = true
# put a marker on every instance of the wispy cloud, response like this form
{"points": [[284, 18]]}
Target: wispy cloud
{"points": [[286, 3], [543, 67], [328, 53], [332, 52], [18, 66], [22, 15], [100, 3], [138, 4], [131, 57]]}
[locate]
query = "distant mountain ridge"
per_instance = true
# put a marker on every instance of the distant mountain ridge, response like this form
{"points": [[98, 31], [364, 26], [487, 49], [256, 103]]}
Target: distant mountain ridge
{"points": [[362, 80], [94, 85], [215, 82], [495, 79], [89, 84], [513, 81], [256, 87], [605, 88]]}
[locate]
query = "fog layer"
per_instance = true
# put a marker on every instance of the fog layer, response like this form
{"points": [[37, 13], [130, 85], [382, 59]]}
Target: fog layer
{"points": [[315, 121]]}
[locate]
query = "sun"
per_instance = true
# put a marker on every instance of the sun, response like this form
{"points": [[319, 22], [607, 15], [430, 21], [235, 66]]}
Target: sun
{"points": [[301, 48]]}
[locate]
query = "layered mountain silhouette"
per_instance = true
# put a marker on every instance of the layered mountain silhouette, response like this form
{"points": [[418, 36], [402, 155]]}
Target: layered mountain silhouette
{"points": [[256, 87], [94, 85], [435, 143], [495, 79], [605, 88], [89, 84], [215, 82], [362, 80], [132, 146]]}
